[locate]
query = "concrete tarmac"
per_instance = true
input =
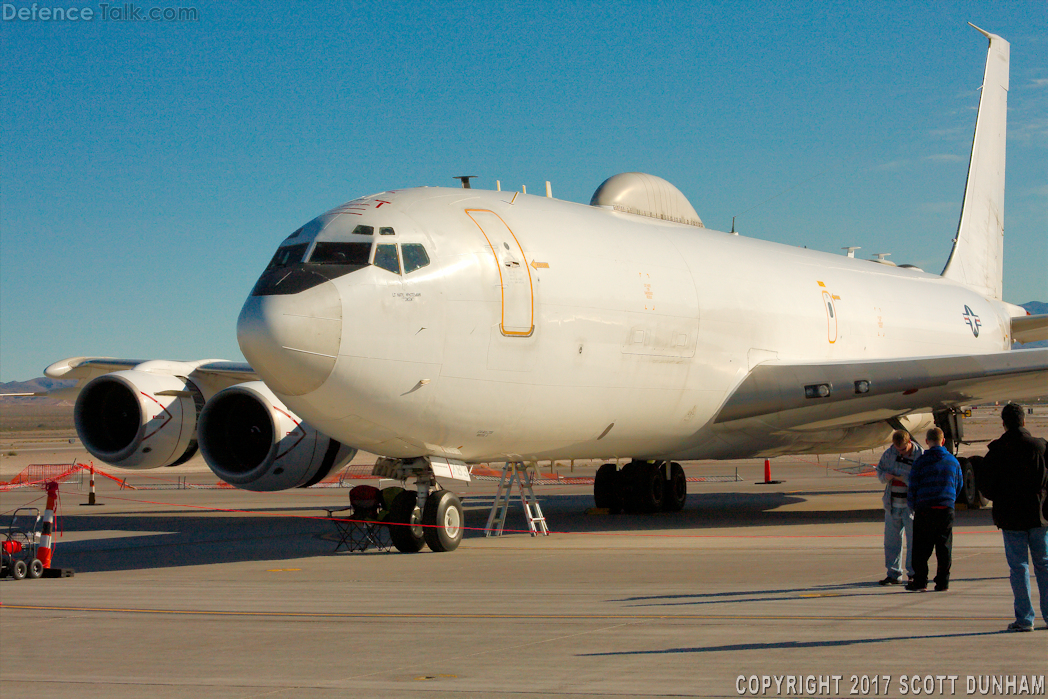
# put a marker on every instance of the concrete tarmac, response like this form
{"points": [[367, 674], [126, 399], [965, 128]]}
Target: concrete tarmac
{"points": [[175, 599]]}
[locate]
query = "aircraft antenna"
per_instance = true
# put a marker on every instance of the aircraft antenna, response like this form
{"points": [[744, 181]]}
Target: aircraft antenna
{"points": [[851, 250], [464, 179]]}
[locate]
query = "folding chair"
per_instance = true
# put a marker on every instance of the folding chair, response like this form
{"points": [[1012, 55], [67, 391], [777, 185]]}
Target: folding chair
{"points": [[343, 528], [367, 529]]}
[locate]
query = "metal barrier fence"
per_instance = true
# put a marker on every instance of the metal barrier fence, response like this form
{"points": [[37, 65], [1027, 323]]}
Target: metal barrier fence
{"points": [[64, 473]]}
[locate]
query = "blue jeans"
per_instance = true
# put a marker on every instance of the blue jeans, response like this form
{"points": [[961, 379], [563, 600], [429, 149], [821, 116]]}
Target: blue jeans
{"points": [[897, 519], [1019, 547]]}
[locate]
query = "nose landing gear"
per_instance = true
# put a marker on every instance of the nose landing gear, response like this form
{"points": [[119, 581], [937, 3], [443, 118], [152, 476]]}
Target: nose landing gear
{"points": [[429, 516]]}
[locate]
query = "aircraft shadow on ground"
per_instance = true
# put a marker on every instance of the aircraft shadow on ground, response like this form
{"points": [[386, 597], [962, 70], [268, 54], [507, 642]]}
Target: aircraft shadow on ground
{"points": [[192, 537], [567, 513], [793, 645]]}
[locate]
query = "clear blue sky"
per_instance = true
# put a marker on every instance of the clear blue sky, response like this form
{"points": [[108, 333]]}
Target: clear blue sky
{"points": [[149, 169]]}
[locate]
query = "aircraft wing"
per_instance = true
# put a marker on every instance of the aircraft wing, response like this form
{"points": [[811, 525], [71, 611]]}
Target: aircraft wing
{"points": [[840, 394], [216, 374], [1030, 328]]}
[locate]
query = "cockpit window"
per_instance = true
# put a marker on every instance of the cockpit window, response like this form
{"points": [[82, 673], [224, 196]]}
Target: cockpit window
{"points": [[386, 257], [287, 255], [386, 230], [341, 253], [415, 256], [364, 230]]}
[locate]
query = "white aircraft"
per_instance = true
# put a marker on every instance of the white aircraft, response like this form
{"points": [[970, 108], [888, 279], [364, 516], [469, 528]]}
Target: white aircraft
{"points": [[442, 327]]}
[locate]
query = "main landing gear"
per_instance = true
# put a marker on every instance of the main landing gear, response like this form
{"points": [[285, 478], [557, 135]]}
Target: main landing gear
{"points": [[641, 486], [951, 422], [429, 515]]}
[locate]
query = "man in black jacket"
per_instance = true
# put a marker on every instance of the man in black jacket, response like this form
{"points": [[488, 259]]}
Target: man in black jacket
{"points": [[1014, 476]]}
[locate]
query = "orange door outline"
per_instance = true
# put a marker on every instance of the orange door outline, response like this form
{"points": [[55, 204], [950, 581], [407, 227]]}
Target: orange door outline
{"points": [[831, 317], [521, 325]]}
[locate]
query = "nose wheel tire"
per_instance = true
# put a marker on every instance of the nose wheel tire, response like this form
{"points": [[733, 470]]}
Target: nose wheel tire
{"points": [[443, 519], [404, 518]]}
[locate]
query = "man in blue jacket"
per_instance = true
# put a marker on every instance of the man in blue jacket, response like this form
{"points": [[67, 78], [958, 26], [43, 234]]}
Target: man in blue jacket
{"points": [[935, 480]]}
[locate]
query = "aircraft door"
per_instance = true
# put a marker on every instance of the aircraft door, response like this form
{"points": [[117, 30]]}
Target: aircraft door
{"points": [[518, 297]]}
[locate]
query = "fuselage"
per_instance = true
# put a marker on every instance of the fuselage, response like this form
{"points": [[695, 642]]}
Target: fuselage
{"points": [[506, 326]]}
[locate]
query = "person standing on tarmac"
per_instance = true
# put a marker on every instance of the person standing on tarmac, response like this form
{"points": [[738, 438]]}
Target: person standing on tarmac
{"points": [[935, 480], [1014, 476], [893, 470]]}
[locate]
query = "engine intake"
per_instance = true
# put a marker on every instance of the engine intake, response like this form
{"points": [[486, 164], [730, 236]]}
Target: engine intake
{"points": [[138, 420], [252, 441]]}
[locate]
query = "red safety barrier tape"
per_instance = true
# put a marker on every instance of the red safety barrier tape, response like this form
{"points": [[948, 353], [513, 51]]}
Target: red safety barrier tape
{"points": [[27, 504], [355, 472], [23, 481]]}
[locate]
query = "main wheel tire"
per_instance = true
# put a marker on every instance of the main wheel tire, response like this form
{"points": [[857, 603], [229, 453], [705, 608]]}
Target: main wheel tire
{"points": [[969, 494], [404, 518], [19, 570], [628, 477], [676, 489], [977, 467], [648, 486], [443, 518], [36, 569], [607, 488]]}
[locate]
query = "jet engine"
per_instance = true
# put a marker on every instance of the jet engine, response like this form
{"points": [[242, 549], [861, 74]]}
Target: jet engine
{"points": [[252, 441], [139, 420]]}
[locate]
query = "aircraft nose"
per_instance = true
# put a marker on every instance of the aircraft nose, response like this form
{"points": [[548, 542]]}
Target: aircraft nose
{"points": [[292, 340]]}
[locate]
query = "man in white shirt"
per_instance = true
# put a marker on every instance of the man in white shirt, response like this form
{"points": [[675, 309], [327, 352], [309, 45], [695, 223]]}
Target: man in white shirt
{"points": [[893, 470]]}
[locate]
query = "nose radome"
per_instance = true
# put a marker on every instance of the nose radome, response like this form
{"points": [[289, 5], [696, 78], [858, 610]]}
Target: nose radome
{"points": [[292, 340]]}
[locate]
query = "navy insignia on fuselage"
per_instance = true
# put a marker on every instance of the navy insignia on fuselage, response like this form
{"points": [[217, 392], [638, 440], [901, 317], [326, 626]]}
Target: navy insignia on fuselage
{"points": [[972, 320]]}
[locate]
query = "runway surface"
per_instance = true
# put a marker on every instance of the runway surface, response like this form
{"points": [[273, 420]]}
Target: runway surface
{"points": [[174, 599]]}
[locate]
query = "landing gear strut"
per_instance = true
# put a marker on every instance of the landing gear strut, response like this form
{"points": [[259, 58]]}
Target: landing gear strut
{"points": [[641, 486], [430, 515], [951, 422]]}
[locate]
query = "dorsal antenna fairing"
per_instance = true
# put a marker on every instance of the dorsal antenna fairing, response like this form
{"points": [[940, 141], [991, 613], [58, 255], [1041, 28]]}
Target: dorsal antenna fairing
{"points": [[464, 179]]}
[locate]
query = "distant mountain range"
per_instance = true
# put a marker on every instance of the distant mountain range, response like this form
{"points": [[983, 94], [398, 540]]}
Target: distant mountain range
{"points": [[33, 386]]}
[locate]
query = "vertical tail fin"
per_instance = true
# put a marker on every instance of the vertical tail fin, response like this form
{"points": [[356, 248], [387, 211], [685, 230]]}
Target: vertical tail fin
{"points": [[977, 259]]}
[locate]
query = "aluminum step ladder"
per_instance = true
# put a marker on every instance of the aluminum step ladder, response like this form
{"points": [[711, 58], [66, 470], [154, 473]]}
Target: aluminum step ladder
{"points": [[521, 474]]}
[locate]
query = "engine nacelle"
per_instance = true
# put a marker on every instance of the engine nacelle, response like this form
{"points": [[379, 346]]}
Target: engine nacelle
{"points": [[136, 419], [252, 441]]}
